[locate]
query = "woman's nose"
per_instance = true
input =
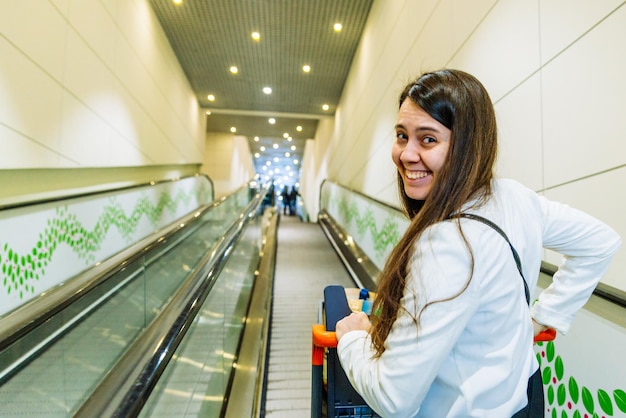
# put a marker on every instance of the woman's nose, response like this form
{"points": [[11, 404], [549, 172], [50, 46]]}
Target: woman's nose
{"points": [[411, 152]]}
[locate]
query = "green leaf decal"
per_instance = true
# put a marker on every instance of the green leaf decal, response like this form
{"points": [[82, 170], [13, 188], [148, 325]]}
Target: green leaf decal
{"points": [[560, 394], [605, 402], [65, 228], [383, 238], [546, 375], [563, 414], [577, 414], [550, 395], [620, 399], [558, 367], [587, 400], [550, 351]]}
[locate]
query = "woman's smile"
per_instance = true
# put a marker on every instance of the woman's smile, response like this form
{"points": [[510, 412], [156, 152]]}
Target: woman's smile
{"points": [[420, 149]]}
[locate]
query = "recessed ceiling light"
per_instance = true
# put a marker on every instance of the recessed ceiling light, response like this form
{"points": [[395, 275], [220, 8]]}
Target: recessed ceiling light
{"points": [[271, 121], [275, 146], [208, 112], [306, 68], [256, 36], [233, 129], [268, 163], [267, 90], [178, 1], [211, 98], [337, 27], [276, 159], [257, 155], [296, 162], [234, 70], [325, 107], [293, 147], [299, 128], [290, 139], [256, 139], [285, 135], [262, 149], [287, 154]]}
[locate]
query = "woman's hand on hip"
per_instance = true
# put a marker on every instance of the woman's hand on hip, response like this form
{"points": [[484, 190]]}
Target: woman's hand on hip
{"points": [[537, 327]]}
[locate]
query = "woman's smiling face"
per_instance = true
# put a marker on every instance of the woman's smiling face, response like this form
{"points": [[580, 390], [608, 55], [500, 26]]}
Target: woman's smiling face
{"points": [[420, 149]]}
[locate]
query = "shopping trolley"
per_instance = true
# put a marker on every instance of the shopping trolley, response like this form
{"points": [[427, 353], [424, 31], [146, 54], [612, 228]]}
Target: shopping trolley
{"points": [[332, 395], [330, 387]]}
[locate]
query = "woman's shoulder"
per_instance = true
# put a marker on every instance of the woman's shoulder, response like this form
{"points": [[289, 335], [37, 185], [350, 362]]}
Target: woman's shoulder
{"points": [[508, 192], [510, 186]]}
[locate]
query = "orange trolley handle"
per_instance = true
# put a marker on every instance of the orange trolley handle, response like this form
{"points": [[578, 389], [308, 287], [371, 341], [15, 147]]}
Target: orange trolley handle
{"points": [[322, 340]]}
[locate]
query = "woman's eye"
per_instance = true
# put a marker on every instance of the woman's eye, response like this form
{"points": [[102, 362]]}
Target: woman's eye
{"points": [[429, 140], [401, 136]]}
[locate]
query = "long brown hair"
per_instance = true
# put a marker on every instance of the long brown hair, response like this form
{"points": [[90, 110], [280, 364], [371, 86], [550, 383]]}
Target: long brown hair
{"points": [[460, 102]]}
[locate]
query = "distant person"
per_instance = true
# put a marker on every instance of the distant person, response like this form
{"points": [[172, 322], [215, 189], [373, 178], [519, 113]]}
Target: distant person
{"points": [[286, 195], [293, 200], [452, 332], [268, 199]]}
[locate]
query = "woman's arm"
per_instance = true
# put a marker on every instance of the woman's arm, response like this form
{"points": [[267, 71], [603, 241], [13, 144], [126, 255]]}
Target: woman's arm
{"points": [[587, 246]]}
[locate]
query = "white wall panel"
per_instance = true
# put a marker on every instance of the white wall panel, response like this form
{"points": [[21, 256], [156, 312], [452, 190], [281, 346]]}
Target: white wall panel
{"points": [[112, 62], [379, 180], [520, 154], [466, 17], [603, 196], [584, 102], [62, 5], [132, 75], [85, 135], [30, 98], [155, 144], [91, 20], [433, 45], [563, 21], [228, 162], [504, 49], [123, 153], [40, 36], [16, 147]]}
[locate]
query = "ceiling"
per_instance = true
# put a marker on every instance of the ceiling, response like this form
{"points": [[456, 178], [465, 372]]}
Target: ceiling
{"points": [[210, 36]]}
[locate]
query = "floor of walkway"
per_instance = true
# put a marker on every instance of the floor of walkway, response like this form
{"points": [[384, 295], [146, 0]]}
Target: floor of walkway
{"points": [[305, 264]]}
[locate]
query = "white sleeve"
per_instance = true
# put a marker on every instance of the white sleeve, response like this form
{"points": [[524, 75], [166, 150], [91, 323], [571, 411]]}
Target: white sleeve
{"points": [[587, 246], [396, 383]]}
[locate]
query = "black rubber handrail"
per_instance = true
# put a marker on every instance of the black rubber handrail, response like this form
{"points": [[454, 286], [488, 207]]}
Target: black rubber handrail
{"points": [[351, 190], [126, 388]]}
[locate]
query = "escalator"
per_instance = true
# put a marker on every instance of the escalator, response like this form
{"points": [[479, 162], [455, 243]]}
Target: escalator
{"points": [[99, 349]]}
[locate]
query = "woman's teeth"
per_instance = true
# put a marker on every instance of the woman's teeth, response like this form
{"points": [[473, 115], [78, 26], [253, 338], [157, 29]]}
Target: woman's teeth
{"points": [[414, 175]]}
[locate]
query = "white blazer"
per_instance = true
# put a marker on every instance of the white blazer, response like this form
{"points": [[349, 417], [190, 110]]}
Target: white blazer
{"points": [[473, 354]]}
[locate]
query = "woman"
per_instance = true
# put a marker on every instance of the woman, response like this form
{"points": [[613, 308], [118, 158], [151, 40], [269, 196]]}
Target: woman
{"points": [[453, 334]]}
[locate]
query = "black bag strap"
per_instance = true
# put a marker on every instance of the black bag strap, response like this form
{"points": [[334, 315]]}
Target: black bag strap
{"points": [[501, 232]]}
